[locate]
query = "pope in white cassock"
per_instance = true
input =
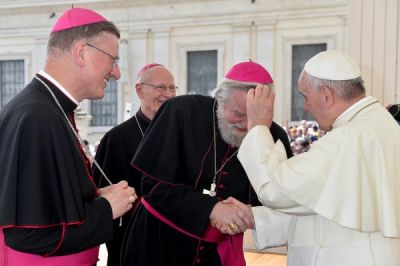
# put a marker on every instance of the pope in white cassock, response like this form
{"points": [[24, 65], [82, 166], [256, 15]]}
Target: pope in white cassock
{"points": [[339, 203]]}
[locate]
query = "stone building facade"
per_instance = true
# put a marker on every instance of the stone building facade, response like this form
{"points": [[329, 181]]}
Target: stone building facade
{"points": [[199, 40]]}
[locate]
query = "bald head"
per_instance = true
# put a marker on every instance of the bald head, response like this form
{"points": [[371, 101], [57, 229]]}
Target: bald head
{"points": [[154, 85], [150, 72]]}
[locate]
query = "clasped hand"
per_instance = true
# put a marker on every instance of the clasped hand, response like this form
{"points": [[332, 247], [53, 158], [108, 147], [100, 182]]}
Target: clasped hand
{"points": [[120, 196], [232, 216]]}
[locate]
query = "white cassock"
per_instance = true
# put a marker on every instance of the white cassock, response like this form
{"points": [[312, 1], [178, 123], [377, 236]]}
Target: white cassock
{"points": [[337, 204]]}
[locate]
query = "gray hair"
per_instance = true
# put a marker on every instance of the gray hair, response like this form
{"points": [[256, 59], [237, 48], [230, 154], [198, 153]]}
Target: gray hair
{"points": [[223, 91], [345, 89], [64, 39]]}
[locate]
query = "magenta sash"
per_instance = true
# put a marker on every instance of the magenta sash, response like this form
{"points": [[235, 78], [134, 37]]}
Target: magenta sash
{"points": [[11, 257], [230, 248]]}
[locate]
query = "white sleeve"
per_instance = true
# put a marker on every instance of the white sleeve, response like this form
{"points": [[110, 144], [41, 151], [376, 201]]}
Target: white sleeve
{"points": [[259, 155], [271, 228]]}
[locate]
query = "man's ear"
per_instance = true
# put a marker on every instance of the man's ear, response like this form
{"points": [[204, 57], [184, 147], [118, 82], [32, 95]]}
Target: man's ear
{"points": [[139, 90], [327, 96], [78, 53]]}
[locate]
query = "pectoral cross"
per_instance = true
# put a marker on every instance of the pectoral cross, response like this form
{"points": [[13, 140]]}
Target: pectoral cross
{"points": [[210, 192]]}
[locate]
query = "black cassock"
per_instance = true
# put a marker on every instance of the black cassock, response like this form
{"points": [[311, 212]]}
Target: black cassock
{"points": [[44, 182], [176, 157], [114, 155]]}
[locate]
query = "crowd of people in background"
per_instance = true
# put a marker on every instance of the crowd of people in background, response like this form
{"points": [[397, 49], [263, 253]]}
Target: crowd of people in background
{"points": [[303, 135]]}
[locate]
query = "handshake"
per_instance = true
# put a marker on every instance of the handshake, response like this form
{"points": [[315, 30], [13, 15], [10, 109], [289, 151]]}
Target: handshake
{"points": [[232, 217]]}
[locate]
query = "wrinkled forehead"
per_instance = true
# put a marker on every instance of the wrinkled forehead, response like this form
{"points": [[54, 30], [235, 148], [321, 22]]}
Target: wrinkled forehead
{"points": [[236, 99]]}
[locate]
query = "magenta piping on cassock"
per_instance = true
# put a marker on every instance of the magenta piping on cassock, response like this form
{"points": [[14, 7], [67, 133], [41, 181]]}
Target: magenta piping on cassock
{"points": [[230, 248]]}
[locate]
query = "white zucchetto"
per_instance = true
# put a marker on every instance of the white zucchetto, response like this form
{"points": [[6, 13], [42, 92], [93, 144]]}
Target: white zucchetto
{"points": [[332, 65]]}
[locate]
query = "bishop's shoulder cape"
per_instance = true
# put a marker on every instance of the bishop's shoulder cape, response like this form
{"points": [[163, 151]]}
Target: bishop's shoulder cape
{"points": [[176, 158], [44, 182]]}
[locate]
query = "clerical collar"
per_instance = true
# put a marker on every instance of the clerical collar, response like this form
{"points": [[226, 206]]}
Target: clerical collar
{"points": [[142, 115], [58, 85]]}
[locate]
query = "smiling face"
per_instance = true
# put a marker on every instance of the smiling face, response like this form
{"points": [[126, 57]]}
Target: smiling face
{"points": [[232, 117], [154, 86], [101, 64]]}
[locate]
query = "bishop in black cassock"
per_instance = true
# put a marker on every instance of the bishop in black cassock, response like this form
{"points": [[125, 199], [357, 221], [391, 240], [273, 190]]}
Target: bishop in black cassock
{"points": [[118, 146], [45, 183], [114, 154], [51, 212], [177, 161]]}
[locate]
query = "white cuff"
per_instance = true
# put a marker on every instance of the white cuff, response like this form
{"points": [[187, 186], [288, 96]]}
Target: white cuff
{"points": [[271, 227]]}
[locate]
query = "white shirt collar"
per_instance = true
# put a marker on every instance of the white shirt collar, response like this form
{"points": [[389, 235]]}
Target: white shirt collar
{"points": [[59, 86]]}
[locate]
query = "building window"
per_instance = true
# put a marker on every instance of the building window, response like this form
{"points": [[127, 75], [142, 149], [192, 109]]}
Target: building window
{"points": [[202, 71], [300, 55], [104, 112], [12, 79]]}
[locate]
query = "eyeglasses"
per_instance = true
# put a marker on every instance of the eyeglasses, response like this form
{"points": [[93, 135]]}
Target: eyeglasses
{"points": [[162, 87], [114, 58]]}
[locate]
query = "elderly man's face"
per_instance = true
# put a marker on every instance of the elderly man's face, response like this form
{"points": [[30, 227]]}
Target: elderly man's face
{"points": [[313, 102], [232, 117], [158, 87]]}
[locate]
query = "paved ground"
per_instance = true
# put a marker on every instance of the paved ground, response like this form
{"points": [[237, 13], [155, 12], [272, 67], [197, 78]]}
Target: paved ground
{"points": [[252, 258]]}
